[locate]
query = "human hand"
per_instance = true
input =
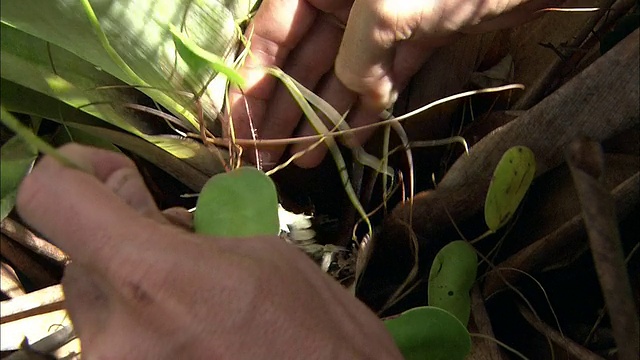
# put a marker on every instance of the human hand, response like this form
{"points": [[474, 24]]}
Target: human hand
{"points": [[139, 287], [385, 42]]}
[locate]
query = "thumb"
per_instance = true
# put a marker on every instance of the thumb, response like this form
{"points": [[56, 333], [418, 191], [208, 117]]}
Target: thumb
{"points": [[365, 61], [88, 215]]}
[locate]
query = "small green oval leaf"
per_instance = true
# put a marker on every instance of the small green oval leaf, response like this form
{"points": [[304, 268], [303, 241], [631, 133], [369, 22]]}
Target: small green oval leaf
{"points": [[240, 203], [511, 180], [452, 275], [429, 333]]}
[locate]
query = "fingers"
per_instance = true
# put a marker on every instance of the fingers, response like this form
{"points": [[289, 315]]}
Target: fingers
{"points": [[341, 98], [79, 213], [279, 27], [385, 42], [308, 63], [407, 58], [364, 64], [513, 13], [276, 29], [365, 59]]}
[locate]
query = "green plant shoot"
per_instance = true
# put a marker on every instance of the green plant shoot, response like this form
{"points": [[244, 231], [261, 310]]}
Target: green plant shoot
{"points": [[33, 140], [511, 180], [452, 274], [239, 203], [16, 159], [429, 333], [197, 57]]}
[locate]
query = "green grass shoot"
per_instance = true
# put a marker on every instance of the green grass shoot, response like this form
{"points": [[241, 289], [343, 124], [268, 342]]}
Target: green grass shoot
{"points": [[197, 57], [32, 139]]}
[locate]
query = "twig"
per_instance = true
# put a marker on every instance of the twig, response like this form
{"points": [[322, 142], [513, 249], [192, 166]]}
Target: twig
{"points": [[34, 303], [9, 281], [295, 140], [23, 236], [586, 162], [480, 321], [575, 349], [561, 242], [546, 129], [23, 260], [46, 345]]}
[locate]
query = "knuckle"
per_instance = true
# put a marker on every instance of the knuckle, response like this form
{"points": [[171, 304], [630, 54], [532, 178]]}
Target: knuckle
{"points": [[385, 18], [136, 280], [351, 76], [141, 269]]}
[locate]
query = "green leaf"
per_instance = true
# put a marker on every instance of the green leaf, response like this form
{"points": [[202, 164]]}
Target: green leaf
{"points": [[138, 31], [429, 333], [452, 274], [240, 203], [16, 159], [197, 57], [24, 100], [189, 161], [67, 134], [511, 180], [179, 158], [32, 139], [24, 60], [7, 203]]}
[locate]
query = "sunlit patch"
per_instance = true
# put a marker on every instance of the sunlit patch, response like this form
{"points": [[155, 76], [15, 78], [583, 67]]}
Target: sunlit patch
{"points": [[58, 85]]}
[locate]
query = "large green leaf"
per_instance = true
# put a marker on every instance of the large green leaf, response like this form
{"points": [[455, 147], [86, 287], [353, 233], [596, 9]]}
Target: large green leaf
{"points": [[16, 159], [188, 161], [21, 99], [138, 31], [69, 134], [24, 60], [429, 333], [173, 155], [65, 49]]}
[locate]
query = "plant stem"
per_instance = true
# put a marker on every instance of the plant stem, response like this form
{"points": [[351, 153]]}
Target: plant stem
{"points": [[32, 139]]}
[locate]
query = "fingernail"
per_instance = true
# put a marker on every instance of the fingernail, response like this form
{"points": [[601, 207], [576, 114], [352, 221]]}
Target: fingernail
{"points": [[382, 98], [179, 216], [391, 99]]}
